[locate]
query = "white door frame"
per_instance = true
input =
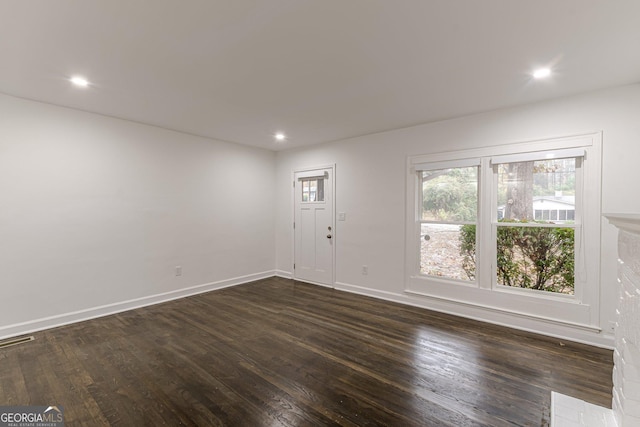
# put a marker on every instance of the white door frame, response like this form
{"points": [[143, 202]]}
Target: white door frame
{"points": [[331, 166]]}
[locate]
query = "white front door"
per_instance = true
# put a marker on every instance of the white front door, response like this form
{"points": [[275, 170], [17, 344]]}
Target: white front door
{"points": [[313, 226]]}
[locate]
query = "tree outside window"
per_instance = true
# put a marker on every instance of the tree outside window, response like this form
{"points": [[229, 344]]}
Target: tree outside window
{"points": [[534, 230], [533, 247], [532, 253]]}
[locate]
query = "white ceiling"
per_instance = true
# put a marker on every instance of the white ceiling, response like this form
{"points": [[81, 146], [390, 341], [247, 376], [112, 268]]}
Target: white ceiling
{"points": [[318, 70]]}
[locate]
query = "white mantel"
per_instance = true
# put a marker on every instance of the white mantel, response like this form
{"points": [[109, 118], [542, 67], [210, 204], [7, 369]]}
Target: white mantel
{"points": [[568, 411], [626, 222]]}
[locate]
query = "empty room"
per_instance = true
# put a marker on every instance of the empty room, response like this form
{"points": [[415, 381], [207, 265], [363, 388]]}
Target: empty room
{"points": [[320, 213]]}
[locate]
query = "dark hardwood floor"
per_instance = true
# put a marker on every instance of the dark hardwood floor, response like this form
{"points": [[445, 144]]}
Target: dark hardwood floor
{"points": [[278, 352]]}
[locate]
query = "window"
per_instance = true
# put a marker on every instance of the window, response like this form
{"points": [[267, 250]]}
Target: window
{"points": [[508, 228], [449, 209], [312, 190], [535, 249]]}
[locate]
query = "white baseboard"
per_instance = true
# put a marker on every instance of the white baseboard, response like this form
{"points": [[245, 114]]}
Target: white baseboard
{"points": [[105, 310], [284, 274], [502, 318], [289, 275]]}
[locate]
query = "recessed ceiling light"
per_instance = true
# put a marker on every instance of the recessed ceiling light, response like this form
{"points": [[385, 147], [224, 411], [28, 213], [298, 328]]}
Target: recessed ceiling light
{"points": [[541, 73], [79, 81], [280, 136]]}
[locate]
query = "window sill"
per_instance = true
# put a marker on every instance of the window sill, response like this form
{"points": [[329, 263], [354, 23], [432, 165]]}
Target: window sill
{"points": [[549, 310]]}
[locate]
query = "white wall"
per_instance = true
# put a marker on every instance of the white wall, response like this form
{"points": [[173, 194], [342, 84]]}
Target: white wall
{"points": [[370, 188], [96, 212]]}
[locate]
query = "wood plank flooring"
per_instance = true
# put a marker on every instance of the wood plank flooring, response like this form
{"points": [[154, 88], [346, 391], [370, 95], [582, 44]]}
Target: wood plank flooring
{"points": [[283, 353]]}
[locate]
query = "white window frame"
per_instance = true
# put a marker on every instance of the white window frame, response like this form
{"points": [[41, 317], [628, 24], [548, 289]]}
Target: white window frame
{"points": [[579, 310], [442, 166], [319, 182], [577, 154]]}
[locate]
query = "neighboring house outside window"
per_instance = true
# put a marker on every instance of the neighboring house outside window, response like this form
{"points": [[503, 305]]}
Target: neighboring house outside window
{"points": [[557, 208]]}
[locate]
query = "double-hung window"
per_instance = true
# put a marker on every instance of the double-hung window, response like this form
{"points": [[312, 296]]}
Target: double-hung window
{"points": [[513, 228], [448, 212], [537, 251]]}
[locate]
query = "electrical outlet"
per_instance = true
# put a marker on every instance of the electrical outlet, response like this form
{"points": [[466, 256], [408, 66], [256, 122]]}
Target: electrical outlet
{"points": [[178, 270], [365, 270]]}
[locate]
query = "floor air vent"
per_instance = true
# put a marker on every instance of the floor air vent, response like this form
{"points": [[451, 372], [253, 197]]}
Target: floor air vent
{"points": [[15, 341]]}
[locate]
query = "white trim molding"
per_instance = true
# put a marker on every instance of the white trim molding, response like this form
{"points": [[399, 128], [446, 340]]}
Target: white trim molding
{"points": [[108, 309], [548, 327], [284, 274]]}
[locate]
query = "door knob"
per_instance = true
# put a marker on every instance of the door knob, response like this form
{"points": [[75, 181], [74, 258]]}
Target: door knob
{"points": [[328, 236]]}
